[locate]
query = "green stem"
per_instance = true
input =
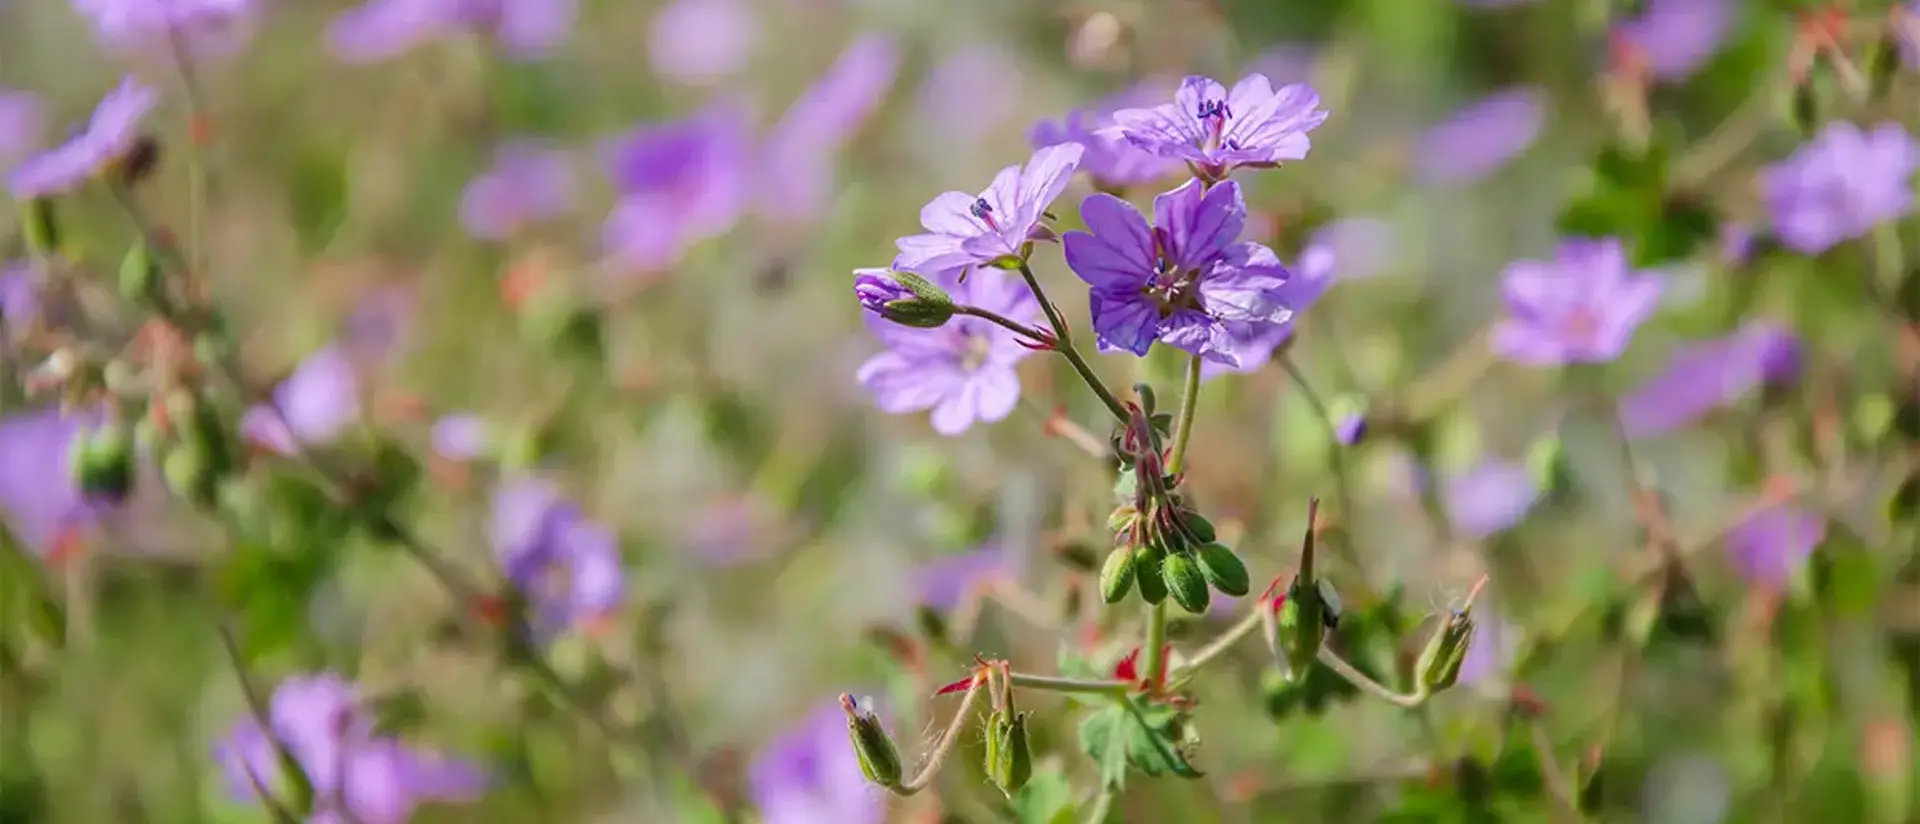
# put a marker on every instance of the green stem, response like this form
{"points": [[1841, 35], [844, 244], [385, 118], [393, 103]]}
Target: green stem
{"points": [[1064, 343], [1102, 804], [1153, 652], [1014, 326], [1367, 685], [1051, 683], [1183, 425], [1220, 645]]}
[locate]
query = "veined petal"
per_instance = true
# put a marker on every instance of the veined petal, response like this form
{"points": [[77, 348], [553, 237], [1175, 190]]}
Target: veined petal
{"points": [[951, 214], [1200, 223], [1120, 253], [1046, 175], [901, 384], [1125, 320], [1196, 333]]}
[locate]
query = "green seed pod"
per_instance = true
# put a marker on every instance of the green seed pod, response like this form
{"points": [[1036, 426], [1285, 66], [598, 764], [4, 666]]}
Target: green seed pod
{"points": [[1147, 562], [1439, 665], [1009, 755], [1223, 569], [879, 759], [1186, 583], [1116, 575], [1199, 527], [140, 275], [101, 461], [1302, 628]]}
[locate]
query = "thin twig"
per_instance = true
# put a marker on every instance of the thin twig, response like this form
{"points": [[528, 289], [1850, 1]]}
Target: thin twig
{"points": [[1359, 679], [947, 739]]}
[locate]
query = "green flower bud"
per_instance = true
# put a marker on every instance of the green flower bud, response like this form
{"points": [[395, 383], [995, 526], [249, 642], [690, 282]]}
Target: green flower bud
{"points": [[1199, 527], [1223, 569], [1303, 618], [1439, 664], [1186, 583], [1009, 755], [1147, 562], [140, 275], [879, 759], [1117, 574], [903, 298], [101, 461]]}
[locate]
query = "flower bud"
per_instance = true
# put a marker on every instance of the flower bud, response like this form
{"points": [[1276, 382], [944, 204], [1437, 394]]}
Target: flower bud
{"points": [[1199, 527], [879, 760], [1439, 665], [1009, 755], [101, 461], [903, 297], [1117, 574], [1302, 621], [1222, 569], [1147, 561], [1185, 582], [42, 228], [140, 275]]}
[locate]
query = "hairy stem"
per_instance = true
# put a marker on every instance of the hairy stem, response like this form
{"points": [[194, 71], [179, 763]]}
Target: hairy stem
{"points": [[1153, 651], [947, 739], [1183, 423], [1052, 683], [1003, 321], [1367, 685], [1064, 345]]}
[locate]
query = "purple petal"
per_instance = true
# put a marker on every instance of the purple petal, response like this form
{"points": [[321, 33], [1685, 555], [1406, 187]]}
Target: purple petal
{"points": [[1199, 222], [1480, 138], [1120, 253], [702, 41], [1490, 498], [1771, 546]]}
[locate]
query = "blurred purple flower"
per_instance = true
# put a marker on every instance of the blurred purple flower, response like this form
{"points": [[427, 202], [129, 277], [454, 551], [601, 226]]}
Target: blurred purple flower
{"points": [[1737, 243], [1350, 428], [1671, 39], [796, 182], [1255, 343], [19, 300], [1181, 281], [196, 24], [966, 231], [43, 506], [1489, 499], [1906, 30], [109, 136], [1581, 307], [1491, 652], [1840, 185], [21, 122], [567, 566], [1480, 137], [970, 93], [1111, 160], [1770, 546], [702, 41], [1287, 63], [964, 370], [461, 437], [680, 182], [736, 529], [1707, 376], [312, 406], [809, 774], [382, 29], [943, 584], [356, 775], [1216, 130], [527, 182], [1361, 247]]}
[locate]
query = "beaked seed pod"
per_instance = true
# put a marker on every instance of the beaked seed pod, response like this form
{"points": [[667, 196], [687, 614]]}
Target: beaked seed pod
{"points": [[1147, 562], [1009, 755], [1117, 574], [1440, 663], [1186, 583], [879, 759], [1223, 569]]}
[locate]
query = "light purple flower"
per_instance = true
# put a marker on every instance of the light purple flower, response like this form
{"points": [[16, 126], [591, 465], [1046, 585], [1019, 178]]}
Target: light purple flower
{"points": [[1254, 343], [1361, 247], [19, 300], [1111, 160], [198, 24], [945, 583], [965, 231], [702, 41], [356, 774], [1287, 63], [111, 133], [1480, 137], [1490, 655], [1671, 39], [382, 29], [1708, 375], [964, 370], [1580, 307], [875, 288], [461, 437], [21, 121], [528, 182], [1217, 130], [1771, 546], [1489, 499], [1840, 185], [809, 774], [1181, 281], [567, 566], [1350, 428], [42, 504], [970, 93], [681, 183], [796, 181], [312, 406]]}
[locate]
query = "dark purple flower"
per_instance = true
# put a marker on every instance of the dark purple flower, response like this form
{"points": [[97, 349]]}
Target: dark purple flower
{"points": [[1670, 39], [44, 508], [109, 136], [809, 774], [356, 774], [567, 566], [1216, 130], [1181, 281], [312, 406], [965, 231], [1111, 160], [382, 29], [1709, 375], [1581, 307], [1480, 137], [702, 41], [528, 182], [1254, 343], [197, 24], [1489, 499], [964, 370], [680, 182], [944, 583], [21, 122], [1840, 185], [1771, 546], [796, 181]]}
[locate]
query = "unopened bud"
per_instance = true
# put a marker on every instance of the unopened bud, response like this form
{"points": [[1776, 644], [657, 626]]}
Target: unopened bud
{"points": [[101, 461], [1439, 665], [1009, 755], [1117, 574], [903, 298], [1186, 583], [1302, 620], [1199, 527], [1223, 569], [140, 275], [879, 759], [1147, 561]]}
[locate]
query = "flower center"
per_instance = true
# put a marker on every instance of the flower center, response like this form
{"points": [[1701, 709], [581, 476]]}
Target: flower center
{"points": [[1170, 288], [1581, 326], [973, 350], [984, 211], [1216, 113]]}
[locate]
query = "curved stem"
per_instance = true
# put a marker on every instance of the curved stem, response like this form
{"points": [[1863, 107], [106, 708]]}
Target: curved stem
{"points": [[1102, 804], [1064, 345], [1052, 683], [945, 747], [1367, 685], [1183, 424], [1003, 321], [1220, 645]]}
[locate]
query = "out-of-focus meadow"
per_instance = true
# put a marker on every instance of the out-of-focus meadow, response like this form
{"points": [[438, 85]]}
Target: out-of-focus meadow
{"points": [[469, 419]]}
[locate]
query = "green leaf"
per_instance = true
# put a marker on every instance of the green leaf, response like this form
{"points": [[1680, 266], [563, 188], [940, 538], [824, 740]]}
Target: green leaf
{"points": [[1154, 740], [1103, 737], [1046, 799]]}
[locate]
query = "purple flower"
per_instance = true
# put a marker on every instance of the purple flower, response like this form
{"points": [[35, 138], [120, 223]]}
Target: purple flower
{"points": [[567, 566], [160, 23], [1581, 307], [1771, 545], [356, 774], [1216, 130], [701, 41], [945, 583], [1489, 499], [1480, 137], [1491, 652], [383, 29], [809, 774], [43, 507], [1906, 29], [1254, 343], [19, 301], [109, 136], [1350, 428], [312, 406], [21, 121], [1670, 39], [876, 288], [681, 183], [966, 231], [964, 370], [796, 182], [1182, 281], [969, 94], [527, 182], [1287, 63], [1111, 160], [1840, 185], [1707, 376], [461, 437], [1361, 247]]}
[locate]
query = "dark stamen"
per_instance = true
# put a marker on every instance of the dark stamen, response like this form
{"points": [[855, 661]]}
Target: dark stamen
{"points": [[984, 211]]}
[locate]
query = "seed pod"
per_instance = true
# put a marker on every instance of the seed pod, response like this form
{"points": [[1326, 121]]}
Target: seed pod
{"points": [[1147, 564], [1009, 755], [879, 759], [1199, 527], [140, 275], [1439, 665], [1186, 583], [102, 461], [1116, 576], [1223, 569]]}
